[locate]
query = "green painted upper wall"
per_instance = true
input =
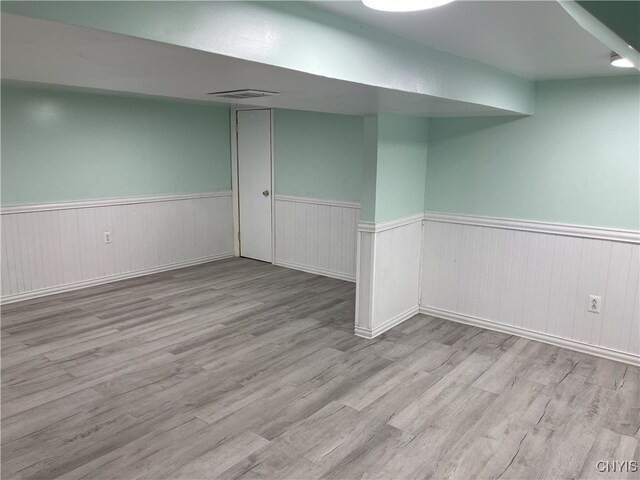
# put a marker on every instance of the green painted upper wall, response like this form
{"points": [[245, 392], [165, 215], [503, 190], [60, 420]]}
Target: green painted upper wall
{"points": [[369, 169], [318, 155], [402, 166], [301, 37], [395, 166], [576, 161], [65, 146]]}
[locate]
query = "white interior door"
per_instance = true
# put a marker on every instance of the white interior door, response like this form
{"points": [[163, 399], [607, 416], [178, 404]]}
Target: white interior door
{"points": [[254, 183]]}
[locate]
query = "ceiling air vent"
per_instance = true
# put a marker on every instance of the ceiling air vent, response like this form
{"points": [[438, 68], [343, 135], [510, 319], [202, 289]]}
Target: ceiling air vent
{"points": [[241, 94]]}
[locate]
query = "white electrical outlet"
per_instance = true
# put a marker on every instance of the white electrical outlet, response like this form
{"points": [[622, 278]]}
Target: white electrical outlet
{"points": [[595, 304], [107, 237]]}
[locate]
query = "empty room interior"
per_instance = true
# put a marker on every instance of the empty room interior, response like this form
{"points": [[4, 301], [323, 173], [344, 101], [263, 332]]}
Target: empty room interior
{"points": [[320, 239]]}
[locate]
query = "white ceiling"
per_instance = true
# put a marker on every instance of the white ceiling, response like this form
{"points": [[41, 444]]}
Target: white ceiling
{"points": [[58, 54], [537, 39]]}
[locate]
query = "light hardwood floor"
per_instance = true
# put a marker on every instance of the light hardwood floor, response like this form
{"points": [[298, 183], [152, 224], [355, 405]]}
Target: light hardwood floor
{"points": [[239, 369]]}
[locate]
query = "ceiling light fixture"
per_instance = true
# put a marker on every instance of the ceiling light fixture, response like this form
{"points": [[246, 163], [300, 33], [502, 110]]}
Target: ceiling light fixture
{"points": [[619, 61], [404, 5]]}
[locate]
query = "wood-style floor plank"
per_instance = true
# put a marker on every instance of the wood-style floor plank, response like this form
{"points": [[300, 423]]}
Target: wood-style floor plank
{"points": [[238, 369]]}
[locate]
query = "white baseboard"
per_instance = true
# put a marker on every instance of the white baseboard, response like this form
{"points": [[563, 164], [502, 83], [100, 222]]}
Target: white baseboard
{"points": [[317, 271], [540, 337], [369, 333], [109, 279]]}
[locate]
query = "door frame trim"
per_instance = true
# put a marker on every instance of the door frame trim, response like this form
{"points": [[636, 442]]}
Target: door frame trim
{"points": [[233, 111]]}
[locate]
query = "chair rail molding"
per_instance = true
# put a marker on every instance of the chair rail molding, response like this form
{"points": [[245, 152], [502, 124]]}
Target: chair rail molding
{"points": [[570, 230], [108, 202]]}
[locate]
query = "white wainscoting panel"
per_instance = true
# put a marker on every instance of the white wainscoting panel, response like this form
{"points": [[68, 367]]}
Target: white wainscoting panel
{"points": [[316, 235], [50, 248], [364, 282], [388, 290], [516, 276]]}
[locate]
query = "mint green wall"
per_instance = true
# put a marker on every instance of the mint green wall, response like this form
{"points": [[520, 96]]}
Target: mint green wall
{"points": [[62, 146], [369, 169], [395, 166], [318, 154], [575, 161], [402, 164]]}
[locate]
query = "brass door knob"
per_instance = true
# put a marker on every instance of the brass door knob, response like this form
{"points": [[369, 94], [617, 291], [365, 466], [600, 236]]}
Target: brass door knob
{"points": [[265, 193]]}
